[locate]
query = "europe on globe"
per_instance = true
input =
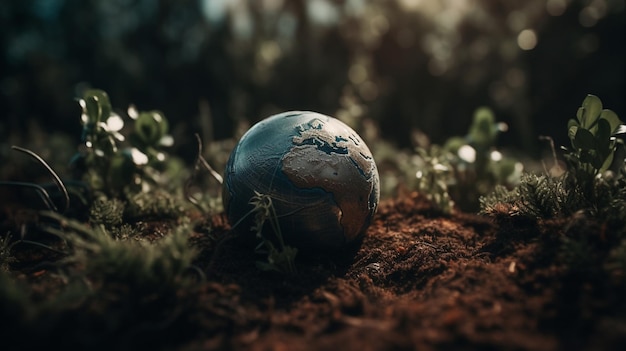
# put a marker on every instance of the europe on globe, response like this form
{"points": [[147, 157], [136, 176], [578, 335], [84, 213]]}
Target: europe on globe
{"points": [[319, 173]]}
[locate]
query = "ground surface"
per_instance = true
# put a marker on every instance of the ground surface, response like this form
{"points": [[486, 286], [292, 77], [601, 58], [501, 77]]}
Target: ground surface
{"points": [[420, 280]]}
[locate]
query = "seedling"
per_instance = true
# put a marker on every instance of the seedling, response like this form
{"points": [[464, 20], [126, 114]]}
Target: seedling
{"points": [[109, 166], [435, 177], [593, 136], [466, 167], [586, 184], [280, 257]]}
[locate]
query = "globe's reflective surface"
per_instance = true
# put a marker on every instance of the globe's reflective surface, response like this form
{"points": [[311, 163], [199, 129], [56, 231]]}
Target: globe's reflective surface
{"points": [[320, 175]]}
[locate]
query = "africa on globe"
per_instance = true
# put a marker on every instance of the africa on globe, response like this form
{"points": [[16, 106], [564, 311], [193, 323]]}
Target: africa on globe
{"points": [[319, 173]]}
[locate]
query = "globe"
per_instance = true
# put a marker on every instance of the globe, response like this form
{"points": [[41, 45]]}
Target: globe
{"points": [[319, 174]]}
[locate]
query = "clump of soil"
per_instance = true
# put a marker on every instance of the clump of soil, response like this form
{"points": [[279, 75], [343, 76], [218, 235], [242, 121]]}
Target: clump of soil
{"points": [[421, 280]]}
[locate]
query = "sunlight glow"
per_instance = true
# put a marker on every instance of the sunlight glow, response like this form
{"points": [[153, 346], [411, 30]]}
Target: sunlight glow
{"points": [[556, 7], [115, 123], [496, 156], [214, 10], [139, 158], [322, 12], [467, 153], [527, 39]]}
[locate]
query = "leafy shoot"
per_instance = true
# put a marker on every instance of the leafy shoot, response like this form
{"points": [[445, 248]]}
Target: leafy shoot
{"points": [[280, 257]]}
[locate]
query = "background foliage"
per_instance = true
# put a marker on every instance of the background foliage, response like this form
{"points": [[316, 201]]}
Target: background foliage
{"points": [[212, 65]]}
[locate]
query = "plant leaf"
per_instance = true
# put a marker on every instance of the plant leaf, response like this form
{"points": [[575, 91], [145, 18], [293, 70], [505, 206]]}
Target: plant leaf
{"points": [[612, 118], [483, 130], [100, 108], [571, 132], [597, 161], [585, 157], [584, 139], [607, 163], [151, 127], [92, 110], [591, 111], [603, 136], [572, 123]]}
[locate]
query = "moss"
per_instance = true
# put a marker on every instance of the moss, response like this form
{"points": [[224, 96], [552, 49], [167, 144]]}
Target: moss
{"points": [[156, 204], [108, 212]]}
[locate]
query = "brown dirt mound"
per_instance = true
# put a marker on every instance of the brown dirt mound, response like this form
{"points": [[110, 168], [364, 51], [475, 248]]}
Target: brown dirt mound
{"points": [[423, 281], [420, 280]]}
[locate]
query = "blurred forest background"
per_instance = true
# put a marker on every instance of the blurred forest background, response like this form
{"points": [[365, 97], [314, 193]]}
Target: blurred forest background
{"points": [[213, 66]]}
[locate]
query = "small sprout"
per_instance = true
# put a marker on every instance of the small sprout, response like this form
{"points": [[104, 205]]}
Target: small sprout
{"points": [[467, 167], [280, 257], [110, 163], [435, 176], [587, 186], [592, 135], [150, 128], [484, 129]]}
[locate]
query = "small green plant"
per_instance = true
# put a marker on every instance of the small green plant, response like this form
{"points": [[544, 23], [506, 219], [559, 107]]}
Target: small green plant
{"points": [[128, 162], [538, 196], [592, 134], [435, 177], [587, 194], [109, 213], [111, 164], [280, 257], [586, 184], [466, 168]]}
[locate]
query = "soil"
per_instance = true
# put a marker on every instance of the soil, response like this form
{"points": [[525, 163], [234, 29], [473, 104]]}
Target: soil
{"points": [[421, 280]]}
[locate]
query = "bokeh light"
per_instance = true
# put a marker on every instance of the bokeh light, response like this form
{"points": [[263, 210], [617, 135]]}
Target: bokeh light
{"points": [[527, 39], [404, 65]]}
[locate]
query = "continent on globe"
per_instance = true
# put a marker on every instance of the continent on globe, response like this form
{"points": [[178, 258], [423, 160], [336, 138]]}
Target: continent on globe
{"points": [[321, 177], [318, 159]]}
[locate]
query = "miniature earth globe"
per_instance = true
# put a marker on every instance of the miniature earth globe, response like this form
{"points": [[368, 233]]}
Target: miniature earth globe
{"points": [[318, 172]]}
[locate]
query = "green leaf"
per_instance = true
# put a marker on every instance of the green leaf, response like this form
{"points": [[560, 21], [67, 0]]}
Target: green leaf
{"points": [[586, 157], [597, 160], [584, 139], [483, 130], [607, 163], [121, 170], [579, 114], [571, 132], [98, 105], [92, 110], [572, 123], [591, 111], [151, 127], [612, 118], [603, 136], [453, 144]]}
